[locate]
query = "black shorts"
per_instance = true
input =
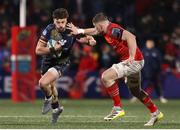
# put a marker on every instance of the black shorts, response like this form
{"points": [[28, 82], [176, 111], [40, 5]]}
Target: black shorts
{"points": [[61, 67]]}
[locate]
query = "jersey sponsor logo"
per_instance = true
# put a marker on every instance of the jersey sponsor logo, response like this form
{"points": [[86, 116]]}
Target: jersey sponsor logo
{"points": [[62, 42]]}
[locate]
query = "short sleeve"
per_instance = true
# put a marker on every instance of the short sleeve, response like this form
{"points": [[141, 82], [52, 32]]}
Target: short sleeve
{"points": [[45, 35]]}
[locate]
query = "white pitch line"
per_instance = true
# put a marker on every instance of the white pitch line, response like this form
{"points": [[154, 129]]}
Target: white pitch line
{"points": [[122, 121], [80, 116], [66, 116]]}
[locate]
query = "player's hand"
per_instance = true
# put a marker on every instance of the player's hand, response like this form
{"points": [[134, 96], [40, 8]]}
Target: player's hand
{"points": [[57, 46], [129, 61], [91, 40], [73, 28]]}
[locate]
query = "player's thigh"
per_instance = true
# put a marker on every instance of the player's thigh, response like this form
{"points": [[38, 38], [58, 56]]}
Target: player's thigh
{"points": [[50, 76], [133, 68], [119, 69], [109, 74]]}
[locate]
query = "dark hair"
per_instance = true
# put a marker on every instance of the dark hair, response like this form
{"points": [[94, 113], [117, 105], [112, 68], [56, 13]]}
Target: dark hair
{"points": [[99, 17], [60, 13]]}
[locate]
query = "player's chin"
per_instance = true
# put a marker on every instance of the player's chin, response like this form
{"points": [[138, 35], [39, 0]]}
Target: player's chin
{"points": [[61, 29]]}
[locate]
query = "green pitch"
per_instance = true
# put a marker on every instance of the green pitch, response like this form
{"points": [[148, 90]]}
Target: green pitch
{"points": [[85, 114]]}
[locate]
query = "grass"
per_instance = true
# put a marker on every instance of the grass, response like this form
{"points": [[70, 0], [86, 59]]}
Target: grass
{"points": [[83, 114]]}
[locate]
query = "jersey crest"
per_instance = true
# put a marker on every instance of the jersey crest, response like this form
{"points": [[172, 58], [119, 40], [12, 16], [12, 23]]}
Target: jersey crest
{"points": [[117, 33]]}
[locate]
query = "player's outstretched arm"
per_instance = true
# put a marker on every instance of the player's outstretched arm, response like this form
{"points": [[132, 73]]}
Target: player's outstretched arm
{"points": [[42, 49], [76, 31], [88, 39], [132, 45]]}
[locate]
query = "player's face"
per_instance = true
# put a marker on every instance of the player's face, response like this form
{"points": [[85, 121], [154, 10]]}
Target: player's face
{"points": [[60, 24], [99, 27]]}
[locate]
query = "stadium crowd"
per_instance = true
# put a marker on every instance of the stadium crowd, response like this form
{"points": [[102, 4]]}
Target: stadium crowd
{"points": [[161, 23]]}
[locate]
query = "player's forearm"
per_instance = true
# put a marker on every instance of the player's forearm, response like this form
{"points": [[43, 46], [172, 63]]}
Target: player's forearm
{"points": [[88, 31], [42, 50]]}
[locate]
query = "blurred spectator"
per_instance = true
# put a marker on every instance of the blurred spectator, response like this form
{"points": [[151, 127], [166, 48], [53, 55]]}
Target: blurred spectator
{"points": [[176, 36], [171, 52], [3, 37], [148, 18], [152, 69], [75, 57], [88, 63], [161, 45], [108, 57]]}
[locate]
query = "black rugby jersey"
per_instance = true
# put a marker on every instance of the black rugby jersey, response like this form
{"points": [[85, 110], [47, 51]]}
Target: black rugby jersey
{"points": [[67, 40]]}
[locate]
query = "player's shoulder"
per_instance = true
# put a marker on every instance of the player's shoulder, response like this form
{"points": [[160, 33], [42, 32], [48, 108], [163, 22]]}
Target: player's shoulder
{"points": [[115, 30], [115, 25], [48, 29]]}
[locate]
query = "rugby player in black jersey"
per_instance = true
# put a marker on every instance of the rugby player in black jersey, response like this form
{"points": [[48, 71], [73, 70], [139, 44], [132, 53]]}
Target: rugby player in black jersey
{"points": [[55, 45]]}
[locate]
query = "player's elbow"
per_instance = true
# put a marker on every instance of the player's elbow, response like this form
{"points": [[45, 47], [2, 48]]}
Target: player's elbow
{"points": [[38, 51]]}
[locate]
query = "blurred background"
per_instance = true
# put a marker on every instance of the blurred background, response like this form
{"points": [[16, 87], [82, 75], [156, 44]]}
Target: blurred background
{"points": [[155, 23]]}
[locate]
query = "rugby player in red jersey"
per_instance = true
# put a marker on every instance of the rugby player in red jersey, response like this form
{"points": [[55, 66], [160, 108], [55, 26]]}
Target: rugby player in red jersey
{"points": [[132, 61]]}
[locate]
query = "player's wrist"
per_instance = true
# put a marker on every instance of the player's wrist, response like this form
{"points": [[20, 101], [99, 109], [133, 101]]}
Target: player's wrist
{"points": [[131, 57], [80, 31]]}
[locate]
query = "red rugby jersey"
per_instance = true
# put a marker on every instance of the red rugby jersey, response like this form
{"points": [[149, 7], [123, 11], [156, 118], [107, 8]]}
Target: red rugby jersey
{"points": [[113, 37]]}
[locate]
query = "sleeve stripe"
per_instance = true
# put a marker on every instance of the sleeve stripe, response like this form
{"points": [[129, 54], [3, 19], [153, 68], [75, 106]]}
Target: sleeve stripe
{"points": [[43, 39]]}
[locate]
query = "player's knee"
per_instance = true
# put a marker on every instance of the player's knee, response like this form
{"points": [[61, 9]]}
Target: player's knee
{"points": [[106, 80], [42, 83]]}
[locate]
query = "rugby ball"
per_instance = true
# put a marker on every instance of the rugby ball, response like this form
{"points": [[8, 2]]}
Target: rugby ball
{"points": [[51, 43]]}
